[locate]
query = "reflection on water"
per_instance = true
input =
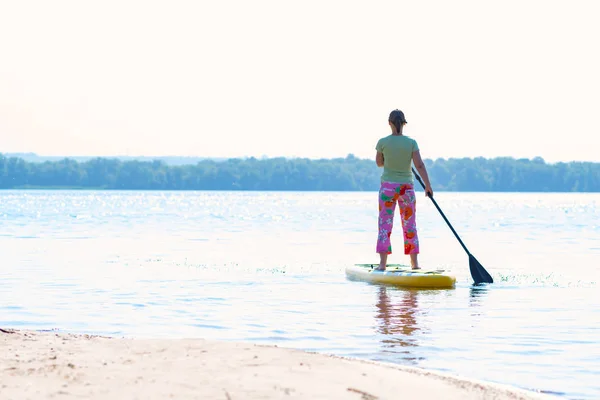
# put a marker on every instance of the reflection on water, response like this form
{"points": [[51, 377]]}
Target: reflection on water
{"points": [[477, 294], [403, 316], [397, 320]]}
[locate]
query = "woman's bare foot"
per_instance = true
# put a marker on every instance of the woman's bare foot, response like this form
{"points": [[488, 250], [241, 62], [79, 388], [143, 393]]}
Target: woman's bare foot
{"points": [[414, 262], [381, 267], [382, 262]]}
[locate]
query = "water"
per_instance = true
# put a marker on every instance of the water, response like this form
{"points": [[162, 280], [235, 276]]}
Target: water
{"points": [[268, 267]]}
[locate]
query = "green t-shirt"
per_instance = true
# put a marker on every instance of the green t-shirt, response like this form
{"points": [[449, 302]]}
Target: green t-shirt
{"points": [[397, 158]]}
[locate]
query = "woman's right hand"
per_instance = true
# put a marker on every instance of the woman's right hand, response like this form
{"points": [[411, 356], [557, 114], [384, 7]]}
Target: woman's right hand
{"points": [[428, 191]]}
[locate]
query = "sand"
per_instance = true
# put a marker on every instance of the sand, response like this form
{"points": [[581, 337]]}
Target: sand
{"points": [[51, 365]]}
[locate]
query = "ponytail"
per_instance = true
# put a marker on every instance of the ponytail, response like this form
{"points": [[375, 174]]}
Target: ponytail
{"points": [[397, 118], [398, 125]]}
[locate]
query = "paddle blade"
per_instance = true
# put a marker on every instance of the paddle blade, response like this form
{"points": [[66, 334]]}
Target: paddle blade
{"points": [[479, 274]]}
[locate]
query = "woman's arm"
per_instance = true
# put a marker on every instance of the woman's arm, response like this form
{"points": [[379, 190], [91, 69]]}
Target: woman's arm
{"points": [[379, 159], [420, 165]]}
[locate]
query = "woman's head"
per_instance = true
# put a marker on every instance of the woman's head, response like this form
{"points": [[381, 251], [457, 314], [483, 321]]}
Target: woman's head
{"points": [[397, 119]]}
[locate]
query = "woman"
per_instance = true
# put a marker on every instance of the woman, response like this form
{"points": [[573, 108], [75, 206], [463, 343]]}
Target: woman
{"points": [[395, 154]]}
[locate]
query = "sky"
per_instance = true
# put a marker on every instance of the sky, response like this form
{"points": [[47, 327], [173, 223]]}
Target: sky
{"points": [[316, 79]]}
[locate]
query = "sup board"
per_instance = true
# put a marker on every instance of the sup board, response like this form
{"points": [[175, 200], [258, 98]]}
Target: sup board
{"points": [[402, 275]]}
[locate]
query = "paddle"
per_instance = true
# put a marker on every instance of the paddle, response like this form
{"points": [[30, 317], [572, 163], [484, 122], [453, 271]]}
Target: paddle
{"points": [[479, 274]]}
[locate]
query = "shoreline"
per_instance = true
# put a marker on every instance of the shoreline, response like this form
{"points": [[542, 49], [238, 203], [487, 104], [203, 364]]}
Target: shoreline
{"points": [[51, 364]]}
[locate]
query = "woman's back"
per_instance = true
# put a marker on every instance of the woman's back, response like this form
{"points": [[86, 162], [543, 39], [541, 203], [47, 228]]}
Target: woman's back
{"points": [[397, 154]]}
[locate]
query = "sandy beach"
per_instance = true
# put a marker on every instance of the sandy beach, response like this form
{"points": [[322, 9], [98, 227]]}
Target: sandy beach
{"points": [[51, 365]]}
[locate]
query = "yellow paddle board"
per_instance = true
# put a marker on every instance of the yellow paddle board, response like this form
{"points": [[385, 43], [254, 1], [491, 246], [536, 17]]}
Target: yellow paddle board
{"points": [[402, 275]]}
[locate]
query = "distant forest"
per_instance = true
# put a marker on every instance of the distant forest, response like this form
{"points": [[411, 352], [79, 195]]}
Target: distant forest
{"points": [[338, 174]]}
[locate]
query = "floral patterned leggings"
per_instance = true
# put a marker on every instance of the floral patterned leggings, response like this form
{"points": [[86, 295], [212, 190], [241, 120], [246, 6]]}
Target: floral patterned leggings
{"points": [[404, 194]]}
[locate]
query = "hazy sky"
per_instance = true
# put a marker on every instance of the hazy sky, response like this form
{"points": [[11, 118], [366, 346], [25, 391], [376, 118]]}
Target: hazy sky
{"points": [[226, 78]]}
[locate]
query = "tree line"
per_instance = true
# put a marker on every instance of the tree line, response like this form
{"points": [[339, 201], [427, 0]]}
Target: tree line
{"points": [[502, 174]]}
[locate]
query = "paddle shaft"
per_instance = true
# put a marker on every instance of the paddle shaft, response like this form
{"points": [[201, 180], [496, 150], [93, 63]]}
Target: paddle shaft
{"points": [[441, 212]]}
